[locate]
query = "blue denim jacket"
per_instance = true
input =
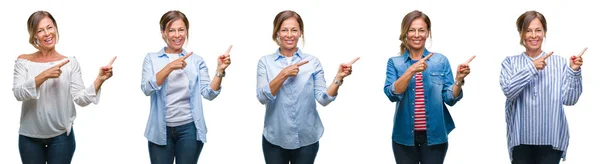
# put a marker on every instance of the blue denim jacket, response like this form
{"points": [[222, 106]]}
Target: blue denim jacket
{"points": [[437, 81], [197, 73]]}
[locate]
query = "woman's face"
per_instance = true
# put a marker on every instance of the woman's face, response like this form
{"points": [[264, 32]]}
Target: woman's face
{"points": [[417, 34], [175, 35], [534, 36], [45, 35], [289, 34]]}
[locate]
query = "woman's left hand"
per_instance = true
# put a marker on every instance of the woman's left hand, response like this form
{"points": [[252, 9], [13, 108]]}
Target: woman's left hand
{"points": [[577, 61], [224, 60], [464, 70], [346, 69], [106, 71]]}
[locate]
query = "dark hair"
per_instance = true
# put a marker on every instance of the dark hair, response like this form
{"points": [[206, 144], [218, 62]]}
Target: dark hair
{"points": [[34, 21], [282, 16], [525, 19], [169, 17], [408, 19]]}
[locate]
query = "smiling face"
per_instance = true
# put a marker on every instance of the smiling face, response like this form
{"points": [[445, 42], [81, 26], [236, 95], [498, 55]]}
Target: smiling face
{"points": [[45, 34], [417, 34], [175, 35], [534, 35], [289, 34]]}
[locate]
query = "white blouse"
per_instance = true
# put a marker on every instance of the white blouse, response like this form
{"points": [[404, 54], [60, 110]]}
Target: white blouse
{"points": [[49, 111]]}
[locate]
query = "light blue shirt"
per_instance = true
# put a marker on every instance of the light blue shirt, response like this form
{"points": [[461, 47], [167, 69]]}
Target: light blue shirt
{"points": [[291, 118], [197, 73], [535, 99]]}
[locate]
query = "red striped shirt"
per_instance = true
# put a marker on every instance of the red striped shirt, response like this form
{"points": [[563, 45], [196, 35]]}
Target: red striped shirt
{"points": [[420, 121]]}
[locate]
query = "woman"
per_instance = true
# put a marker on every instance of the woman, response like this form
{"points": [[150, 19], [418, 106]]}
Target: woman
{"points": [[176, 128], [47, 83], [537, 85], [288, 82], [421, 84]]}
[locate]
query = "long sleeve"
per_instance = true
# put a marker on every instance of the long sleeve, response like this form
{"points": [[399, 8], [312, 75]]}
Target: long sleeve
{"points": [[263, 90], [23, 86], [514, 79], [391, 76], [149, 85], [572, 86], [81, 95], [320, 89], [206, 91], [447, 93]]}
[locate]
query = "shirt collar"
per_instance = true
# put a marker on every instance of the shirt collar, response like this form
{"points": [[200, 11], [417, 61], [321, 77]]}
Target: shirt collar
{"points": [[297, 53], [406, 56], [534, 58], [162, 53]]}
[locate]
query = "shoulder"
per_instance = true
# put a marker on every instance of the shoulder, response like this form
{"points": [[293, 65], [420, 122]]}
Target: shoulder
{"points": [[25, 56], [512, 58]]}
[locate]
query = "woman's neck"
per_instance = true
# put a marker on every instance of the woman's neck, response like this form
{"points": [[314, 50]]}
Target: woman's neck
{"points": [[46, 53], [287, 52], [173, 51], [533, 52], [416, 54]]}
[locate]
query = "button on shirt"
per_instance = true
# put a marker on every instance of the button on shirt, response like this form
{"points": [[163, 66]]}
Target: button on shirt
{"points": [[535, 99], [49, 111], [291, 118], [198, 80], [438, 81]]}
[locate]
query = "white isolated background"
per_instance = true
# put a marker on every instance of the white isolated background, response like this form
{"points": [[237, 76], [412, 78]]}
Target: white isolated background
{"points": [[358, 125]]}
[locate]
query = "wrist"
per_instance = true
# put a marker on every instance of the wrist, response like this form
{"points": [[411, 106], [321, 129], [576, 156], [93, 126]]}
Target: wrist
{"points": [[459, 82], [339, 78], [220, 73]]}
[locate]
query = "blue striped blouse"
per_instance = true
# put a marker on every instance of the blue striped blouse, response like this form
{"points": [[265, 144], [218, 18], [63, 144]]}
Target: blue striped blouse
{"points": [[535, 99]]}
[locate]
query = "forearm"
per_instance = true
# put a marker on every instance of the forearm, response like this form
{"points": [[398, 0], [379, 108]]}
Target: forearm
{"points": [[332, 90], [457, 88], [39, 80], [276, 83], [98, 84], [215, 84], [401, 84], [162, 75]]}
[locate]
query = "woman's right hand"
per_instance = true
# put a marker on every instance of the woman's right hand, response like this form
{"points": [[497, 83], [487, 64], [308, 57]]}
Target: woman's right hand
{"points": [[53, 72], [540, 63], [293, 69], [420, 65], [178, 63]]}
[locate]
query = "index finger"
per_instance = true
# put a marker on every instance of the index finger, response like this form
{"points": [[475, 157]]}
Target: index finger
{"points": [[428, 56], [353, 61], [547, 56], [301, 63], [112, 61], [63, 63], [581, 53], [229, 49], [470, 59], [187, 55]]}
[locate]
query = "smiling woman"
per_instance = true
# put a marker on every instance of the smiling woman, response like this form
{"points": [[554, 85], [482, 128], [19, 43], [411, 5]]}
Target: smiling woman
{"points": [[537, 85], [288, 83], [421, 83], [47, 113], [176, 129]]}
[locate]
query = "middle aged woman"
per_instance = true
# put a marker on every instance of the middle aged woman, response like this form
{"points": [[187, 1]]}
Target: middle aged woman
{"points": [[176, 128], [288, 82], [421, 83]]}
